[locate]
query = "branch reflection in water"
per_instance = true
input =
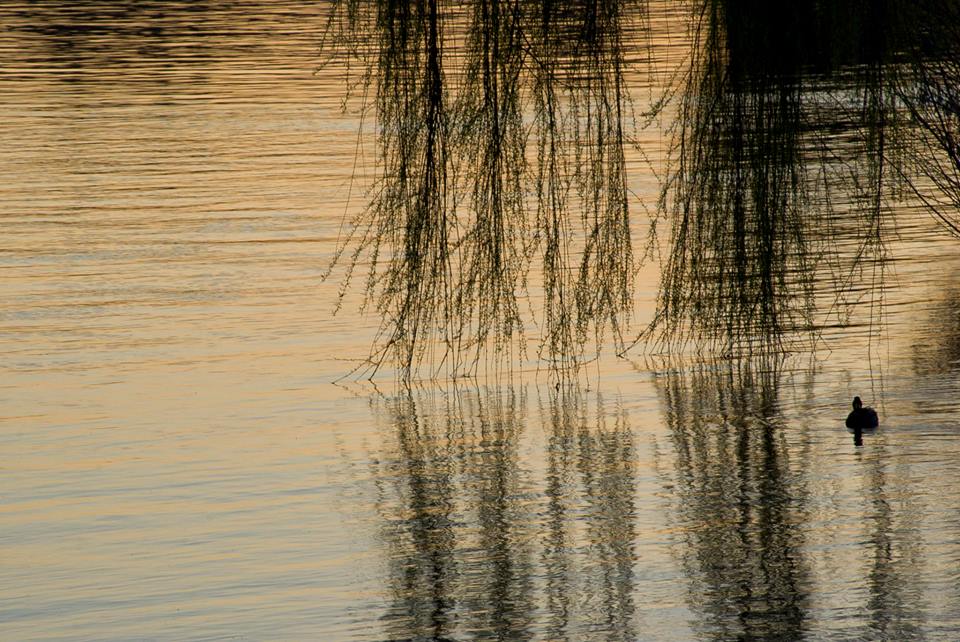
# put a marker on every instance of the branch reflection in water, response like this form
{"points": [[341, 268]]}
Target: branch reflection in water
{"points": [[476, 547], [739, 501], [894, 603]]}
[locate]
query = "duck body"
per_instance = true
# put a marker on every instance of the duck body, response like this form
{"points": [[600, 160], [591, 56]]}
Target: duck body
{"points": [[862, 418]]}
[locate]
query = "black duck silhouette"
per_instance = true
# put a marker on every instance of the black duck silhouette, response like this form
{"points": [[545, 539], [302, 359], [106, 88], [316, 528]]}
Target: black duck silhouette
{"points": [[862, 418]]}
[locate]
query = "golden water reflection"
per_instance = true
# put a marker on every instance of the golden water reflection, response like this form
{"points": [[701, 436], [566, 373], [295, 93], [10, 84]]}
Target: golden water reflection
{"points": [[177, 466], [740, 501], [515, 513], [480, 543]]}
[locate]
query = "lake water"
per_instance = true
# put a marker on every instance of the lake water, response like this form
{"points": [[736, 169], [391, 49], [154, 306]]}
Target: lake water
{"points": [[178, 464]]}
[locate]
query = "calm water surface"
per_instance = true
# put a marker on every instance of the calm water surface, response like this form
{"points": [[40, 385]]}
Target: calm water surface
{"points": [[177, 465]]}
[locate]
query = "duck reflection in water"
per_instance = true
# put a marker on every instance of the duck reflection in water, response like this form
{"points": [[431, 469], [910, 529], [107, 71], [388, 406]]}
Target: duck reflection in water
{"points": [[861, 420]]}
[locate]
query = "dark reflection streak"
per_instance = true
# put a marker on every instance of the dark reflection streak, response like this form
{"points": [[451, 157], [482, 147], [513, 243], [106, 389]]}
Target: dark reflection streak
{"points": [[556, 558], [744, 596], [858, 436], [738, 504], [894, 606], [883, 596], [607, 467], [509, 588], [602, 460], [775, 505], [423, 591], [470, 543]]}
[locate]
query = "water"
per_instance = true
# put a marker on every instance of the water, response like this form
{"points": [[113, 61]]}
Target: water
{"points": [[177, 465]]}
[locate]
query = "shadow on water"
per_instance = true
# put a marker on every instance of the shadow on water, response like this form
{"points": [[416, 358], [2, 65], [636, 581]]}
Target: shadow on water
{"points": [[738, 478], [481, 545], [859, 432], [739, 500], [494, 529], [96, 42]]}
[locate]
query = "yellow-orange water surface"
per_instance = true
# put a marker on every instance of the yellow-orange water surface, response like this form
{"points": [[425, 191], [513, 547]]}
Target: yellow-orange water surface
{"points": [[177, 464]]}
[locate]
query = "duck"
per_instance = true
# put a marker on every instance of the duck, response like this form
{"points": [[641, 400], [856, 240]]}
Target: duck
{"points": [[862, 418]]}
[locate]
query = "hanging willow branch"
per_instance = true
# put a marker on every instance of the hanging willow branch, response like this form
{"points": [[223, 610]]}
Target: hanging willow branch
{"points": [[736, 198], [465, 94], [406, 231], [760, 189], [501, 170], [491, 144], [932, 96]]}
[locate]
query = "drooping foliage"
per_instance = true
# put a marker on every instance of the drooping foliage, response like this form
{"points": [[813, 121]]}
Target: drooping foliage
{"points": [[500, 200], [486, 111]]}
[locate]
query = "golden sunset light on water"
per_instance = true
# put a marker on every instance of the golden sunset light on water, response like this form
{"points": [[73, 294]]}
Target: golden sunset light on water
{"points": [[614, 281]]}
